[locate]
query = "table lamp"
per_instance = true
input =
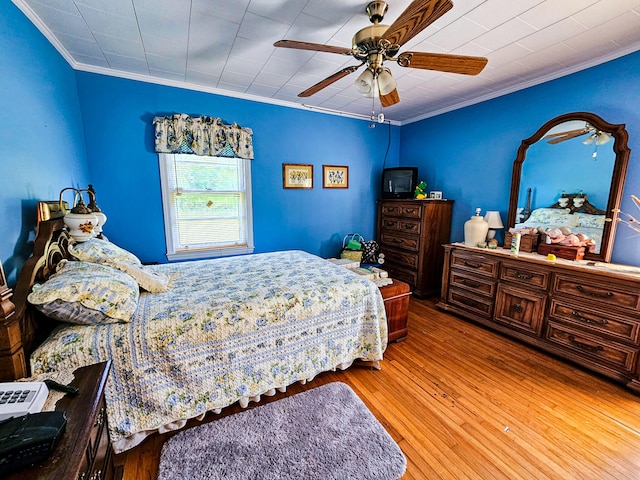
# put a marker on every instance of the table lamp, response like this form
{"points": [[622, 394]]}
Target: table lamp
{"points": [[492, 217]]}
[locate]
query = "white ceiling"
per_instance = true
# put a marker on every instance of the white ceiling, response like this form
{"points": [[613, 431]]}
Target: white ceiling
{"points": [[226, 46]]}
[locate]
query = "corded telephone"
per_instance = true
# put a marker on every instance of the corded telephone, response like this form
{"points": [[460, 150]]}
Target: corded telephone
{"points": [[20, 398], [26, 436]]}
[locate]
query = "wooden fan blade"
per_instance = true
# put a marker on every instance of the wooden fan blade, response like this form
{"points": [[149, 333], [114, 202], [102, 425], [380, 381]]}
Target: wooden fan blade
{"points": [[563, 136], [443, 62], [316, 47], [390, 98], [328, 81], [417, 16]]}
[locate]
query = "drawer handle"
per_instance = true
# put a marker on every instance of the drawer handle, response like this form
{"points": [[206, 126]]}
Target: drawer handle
{"points": [[602, 321], [517, 307], [470, 283], [581, 289], [523, 276], [585, 346], [99, 419], [472, 265]]}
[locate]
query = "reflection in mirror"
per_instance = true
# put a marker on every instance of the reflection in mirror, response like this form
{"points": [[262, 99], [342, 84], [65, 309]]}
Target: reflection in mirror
{"points": [[577, 176], [571, 174]]}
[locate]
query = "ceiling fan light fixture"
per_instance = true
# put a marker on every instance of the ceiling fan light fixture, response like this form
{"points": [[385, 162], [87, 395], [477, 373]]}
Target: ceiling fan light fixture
{"points": [[386, 82], [589, 140], [364, 82], [602, 138]]}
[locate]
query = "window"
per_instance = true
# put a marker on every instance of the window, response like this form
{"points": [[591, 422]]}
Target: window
{"points": [[207, 205]]}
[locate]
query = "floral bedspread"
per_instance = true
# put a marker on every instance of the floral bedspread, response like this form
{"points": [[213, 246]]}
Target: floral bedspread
{"points": [[227, 329]]}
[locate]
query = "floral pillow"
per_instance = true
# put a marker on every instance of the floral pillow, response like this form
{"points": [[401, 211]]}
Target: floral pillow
{"points": [[586, 220], [87, 293], [554, 217], [154, 282], [96, 250]]}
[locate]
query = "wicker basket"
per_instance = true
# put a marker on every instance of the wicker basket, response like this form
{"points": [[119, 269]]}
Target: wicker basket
{"points": [[355, 255]]}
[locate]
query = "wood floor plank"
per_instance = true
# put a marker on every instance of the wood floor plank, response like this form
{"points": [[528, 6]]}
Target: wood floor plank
{"points": [[464, 402]]}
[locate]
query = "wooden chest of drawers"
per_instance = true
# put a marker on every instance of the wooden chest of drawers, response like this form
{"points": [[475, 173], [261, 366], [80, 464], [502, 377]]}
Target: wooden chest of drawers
{"points": [[586, 314], [411, 234]]}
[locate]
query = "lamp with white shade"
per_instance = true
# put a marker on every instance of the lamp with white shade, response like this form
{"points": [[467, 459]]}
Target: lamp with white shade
{"points": [[492, 217]]}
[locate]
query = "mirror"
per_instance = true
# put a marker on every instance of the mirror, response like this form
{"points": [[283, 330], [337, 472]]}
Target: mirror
{"points": [[576, 164]]}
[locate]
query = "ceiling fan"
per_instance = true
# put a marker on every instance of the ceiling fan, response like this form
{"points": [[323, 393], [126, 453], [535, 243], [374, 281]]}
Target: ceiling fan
{"points": [[375, 44], [598, 136]]}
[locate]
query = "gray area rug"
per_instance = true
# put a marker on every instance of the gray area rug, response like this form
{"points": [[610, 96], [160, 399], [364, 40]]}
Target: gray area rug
{"points": [[323, 433]]}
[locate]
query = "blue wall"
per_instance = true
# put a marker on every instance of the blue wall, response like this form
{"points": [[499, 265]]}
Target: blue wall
{"points": [[41, 134], [118, 117], [469, 153]]}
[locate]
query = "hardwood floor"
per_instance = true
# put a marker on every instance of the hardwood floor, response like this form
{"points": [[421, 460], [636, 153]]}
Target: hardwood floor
{"points": [[466, 403]]}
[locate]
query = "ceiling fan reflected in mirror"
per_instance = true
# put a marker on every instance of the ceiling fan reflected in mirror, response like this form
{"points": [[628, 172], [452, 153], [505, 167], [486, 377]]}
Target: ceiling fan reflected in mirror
{"points": [[377, 43], [597, 136]]}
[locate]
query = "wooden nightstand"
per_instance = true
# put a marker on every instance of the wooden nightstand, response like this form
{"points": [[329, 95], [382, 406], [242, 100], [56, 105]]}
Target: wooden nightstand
{"points": [[396, 304], [84, 451]]}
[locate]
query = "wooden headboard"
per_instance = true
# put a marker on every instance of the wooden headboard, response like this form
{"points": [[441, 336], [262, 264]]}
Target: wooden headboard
{"points": [[23, 329]]}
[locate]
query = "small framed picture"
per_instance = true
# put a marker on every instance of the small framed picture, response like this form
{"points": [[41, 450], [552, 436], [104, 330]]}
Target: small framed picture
{"points": [[295, 175], [435, 194], [335, 176]]}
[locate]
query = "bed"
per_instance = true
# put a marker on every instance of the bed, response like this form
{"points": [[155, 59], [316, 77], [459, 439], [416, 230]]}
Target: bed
{"points": [[573, 211], [222, 331]]}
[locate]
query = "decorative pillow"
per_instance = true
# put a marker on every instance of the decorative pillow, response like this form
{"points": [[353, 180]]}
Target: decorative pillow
{"points": [[87, 293], [553, 217], [587, 220], [154, 282], [96, 250]]}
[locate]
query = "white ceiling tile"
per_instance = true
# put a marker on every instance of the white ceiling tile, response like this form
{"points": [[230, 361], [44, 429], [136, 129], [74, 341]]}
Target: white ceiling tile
{"points": [[109, 23], [232, 11], [272, 80], [120, 46], [493, 13], [282, 67], [506, 33], [127, 64], [261, 90], [310, 28], [336, 12], [550, 12], [555, 33], [278, 10], [241, 65], [158, 62], [238, 79], [258, 28], [209, 30], [201, 78], [603, 11], [456, 34]]}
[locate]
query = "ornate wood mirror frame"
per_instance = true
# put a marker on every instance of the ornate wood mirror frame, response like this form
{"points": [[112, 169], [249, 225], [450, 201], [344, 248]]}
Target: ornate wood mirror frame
{"points": [[619, 133]]}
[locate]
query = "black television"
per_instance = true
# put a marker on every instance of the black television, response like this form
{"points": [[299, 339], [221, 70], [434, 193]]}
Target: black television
{"points": [[399, 182]]}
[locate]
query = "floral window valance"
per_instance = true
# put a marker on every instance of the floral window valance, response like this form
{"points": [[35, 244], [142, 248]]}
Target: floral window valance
{"points": [[207, 136]]}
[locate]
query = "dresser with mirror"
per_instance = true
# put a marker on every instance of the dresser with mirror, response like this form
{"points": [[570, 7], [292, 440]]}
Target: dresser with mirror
{"points": [[585, 311]]}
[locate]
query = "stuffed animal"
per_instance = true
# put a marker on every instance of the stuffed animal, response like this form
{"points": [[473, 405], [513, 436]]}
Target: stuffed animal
{"points": [[421, 190]]}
